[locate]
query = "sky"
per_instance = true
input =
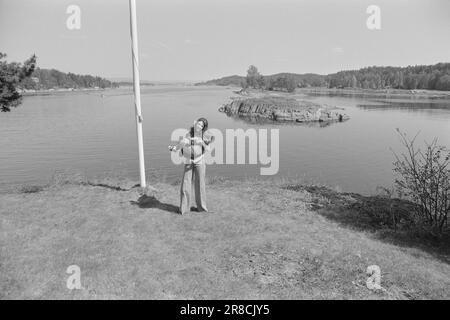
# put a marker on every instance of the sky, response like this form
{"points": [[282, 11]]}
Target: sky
{"points": [[206, 39]]}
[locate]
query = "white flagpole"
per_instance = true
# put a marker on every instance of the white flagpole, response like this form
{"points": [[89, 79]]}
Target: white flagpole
{"points": [[137, 89]]}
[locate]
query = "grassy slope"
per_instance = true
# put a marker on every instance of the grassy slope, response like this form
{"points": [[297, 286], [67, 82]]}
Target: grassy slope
{"points": [[252, 246]]}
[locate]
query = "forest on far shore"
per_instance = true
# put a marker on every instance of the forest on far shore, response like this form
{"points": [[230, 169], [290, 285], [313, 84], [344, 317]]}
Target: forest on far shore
{"points": [[52, 79], [426, 77]]}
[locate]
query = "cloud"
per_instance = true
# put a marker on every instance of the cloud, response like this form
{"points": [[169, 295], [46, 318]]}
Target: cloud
{"points": [[281, 60], [161, 47], [337, 50], [164, 46], [189, 42]]}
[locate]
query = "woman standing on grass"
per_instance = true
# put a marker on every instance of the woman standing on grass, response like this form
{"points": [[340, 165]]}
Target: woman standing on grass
{"points": [[193, 147]]}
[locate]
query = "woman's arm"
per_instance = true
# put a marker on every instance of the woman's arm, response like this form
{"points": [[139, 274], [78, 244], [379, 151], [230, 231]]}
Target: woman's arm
{"points": [[208, 138], [205, 142], [180, 145]]}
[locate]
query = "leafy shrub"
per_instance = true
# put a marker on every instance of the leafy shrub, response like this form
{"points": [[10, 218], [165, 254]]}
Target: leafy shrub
{"points": [[424, 178]]}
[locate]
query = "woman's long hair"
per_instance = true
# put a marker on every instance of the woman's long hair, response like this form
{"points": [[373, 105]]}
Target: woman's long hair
{"points": [[205, 126]]}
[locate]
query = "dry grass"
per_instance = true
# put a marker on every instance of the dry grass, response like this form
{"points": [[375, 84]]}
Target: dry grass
{"points": [[262, 240]]}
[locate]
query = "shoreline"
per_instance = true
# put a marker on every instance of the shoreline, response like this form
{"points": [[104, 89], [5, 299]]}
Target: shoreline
{"points": [[395, 93], [419, 93], [49, 92]]}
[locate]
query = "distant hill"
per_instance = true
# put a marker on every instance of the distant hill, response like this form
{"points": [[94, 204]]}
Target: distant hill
{"points": [[310, 79], [302, 80], [54, 79], [427, 77], [123, 81], [225, 81]]}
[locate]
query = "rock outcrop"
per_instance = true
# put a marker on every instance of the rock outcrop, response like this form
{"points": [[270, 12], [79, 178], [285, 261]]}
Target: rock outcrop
{"points": [[282, 109]]}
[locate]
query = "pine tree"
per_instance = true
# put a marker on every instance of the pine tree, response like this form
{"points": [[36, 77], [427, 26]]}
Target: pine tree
{"points": [[12, 74]]}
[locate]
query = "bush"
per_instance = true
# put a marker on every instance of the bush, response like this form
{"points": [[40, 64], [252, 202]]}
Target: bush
{"points": [[424, 178]]}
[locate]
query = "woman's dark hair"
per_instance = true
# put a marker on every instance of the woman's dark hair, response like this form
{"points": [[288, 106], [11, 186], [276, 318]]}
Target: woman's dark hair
{"points": [[205, 126], [205, 123]]}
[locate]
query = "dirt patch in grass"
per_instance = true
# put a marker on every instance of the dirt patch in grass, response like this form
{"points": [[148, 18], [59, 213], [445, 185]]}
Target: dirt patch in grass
{"points": [[31, 189]]}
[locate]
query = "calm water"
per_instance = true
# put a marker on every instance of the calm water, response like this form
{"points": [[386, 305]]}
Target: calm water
{"points": [[95, 135]]}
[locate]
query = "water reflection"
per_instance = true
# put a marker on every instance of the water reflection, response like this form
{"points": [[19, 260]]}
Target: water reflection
{"points": [[255, 120], [405, 106], [382, 95]]}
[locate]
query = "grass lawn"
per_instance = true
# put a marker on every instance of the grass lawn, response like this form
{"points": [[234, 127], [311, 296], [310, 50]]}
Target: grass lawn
{"points": [[262, 240]]}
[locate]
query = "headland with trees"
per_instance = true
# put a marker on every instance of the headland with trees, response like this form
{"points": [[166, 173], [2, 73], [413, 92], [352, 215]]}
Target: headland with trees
{"points": [[419, 77]]}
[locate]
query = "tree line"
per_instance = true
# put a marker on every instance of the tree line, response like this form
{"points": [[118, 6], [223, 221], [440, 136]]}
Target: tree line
{"points": [[431, 77], [51, 78], [15, 76], [427, 77], [281, 81]]}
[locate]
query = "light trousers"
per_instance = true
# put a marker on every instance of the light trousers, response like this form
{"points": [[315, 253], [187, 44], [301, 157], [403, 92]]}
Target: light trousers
{"points": [[193, 176]]}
